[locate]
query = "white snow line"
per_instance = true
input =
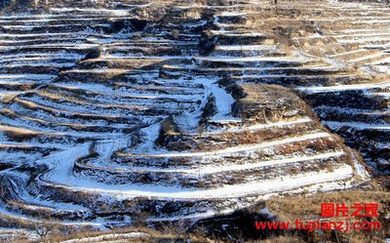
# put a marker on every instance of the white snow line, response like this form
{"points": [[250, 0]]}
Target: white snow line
{"points": [[337, 88], [364, 40], [357, 125], [357, 35], [349, 52], [237, 34], [34, 220], [28, 76], [247, 59], [256, 127], [233, 167], [238, 149], [369, 57], [114, 12], [245, 47]]}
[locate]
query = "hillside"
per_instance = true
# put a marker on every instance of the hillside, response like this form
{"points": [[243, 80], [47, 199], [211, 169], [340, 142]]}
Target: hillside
{"points": [[118, 113]]}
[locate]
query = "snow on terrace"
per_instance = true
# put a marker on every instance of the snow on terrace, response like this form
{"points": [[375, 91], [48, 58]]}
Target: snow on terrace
{"points": [[6, 213], [295, 57], [257, 126], [223, 102], [229, 191], [204, 170], [110, 12], [238, 149], [336, 88], [189, 121], [357, 125], [12, 234], [237, 34], [62, 164], [40, 57], [30, 77], [245, 47]]}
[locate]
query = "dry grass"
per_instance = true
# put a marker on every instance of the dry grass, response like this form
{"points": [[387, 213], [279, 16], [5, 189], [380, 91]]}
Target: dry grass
{"points": [[18, 134], [290, 207], [151, 236], [7, 98]]}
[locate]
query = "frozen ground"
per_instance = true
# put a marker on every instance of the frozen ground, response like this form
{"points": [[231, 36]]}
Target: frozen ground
{"points": [[106, 114]]}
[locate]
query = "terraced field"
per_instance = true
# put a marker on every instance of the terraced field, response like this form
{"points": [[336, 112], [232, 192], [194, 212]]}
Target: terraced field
{"points": [[339, 62], [127, 111]]}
